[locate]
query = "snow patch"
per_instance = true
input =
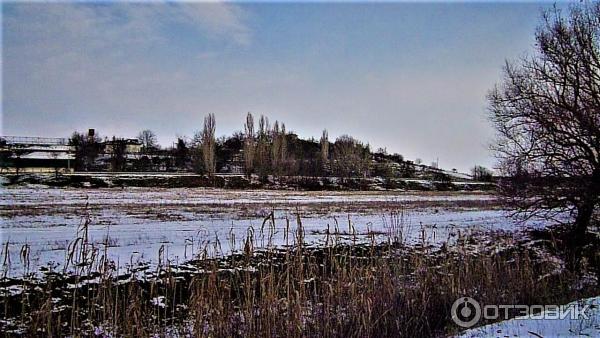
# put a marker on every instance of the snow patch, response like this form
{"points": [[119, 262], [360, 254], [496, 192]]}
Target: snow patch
{"points": [[536, 326]]}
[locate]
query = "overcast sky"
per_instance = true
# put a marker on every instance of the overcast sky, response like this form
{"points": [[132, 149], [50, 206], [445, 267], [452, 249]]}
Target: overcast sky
{"points": [[409, 77]]}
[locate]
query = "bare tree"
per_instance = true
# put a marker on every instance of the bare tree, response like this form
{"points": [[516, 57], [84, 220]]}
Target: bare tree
{"points": [[547, 114], [17, 158], [118, 154], [283, 151], [324, 147], [351, 157], [87, 149], [276, 147], [262, 163], [480, 173], [54, 156], [209, 144], [249, 144], [196, 152], [180, 153], [148, 139]]}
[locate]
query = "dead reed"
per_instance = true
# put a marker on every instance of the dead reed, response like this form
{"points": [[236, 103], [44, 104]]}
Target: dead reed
{"points": [[348, 287]]}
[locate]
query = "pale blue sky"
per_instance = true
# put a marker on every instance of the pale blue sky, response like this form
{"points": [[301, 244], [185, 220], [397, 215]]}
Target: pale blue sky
{"points": [[406, 76]]}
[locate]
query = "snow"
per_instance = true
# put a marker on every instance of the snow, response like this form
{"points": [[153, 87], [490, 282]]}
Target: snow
{"points": [[158, 301], [138, 223], [457, 175], [42, 155], [536, 326], [191, 196], [48, 147]]}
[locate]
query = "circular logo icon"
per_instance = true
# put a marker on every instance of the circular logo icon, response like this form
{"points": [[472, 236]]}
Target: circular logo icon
{"points": [[466, 312]]}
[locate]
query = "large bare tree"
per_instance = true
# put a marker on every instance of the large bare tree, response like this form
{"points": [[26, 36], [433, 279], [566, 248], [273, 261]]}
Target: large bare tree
{"points": [[148, 139], [547, 114]]}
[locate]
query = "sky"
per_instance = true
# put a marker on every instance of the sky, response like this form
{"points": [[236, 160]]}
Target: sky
{"points": [[410, 77]]}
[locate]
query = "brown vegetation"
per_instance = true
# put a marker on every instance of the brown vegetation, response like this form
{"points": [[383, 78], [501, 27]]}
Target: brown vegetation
{"points": [[347, 288]]}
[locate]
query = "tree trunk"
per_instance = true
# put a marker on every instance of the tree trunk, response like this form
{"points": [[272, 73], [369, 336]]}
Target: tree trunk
{"points": [[584, 215], [577, 241], [585, 210]]}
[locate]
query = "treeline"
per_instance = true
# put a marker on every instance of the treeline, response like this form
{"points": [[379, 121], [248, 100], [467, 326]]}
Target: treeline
{"points": [[262, 148]]}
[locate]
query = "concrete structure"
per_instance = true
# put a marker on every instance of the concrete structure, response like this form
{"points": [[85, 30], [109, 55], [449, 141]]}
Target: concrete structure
{"points": [[35, 154]]}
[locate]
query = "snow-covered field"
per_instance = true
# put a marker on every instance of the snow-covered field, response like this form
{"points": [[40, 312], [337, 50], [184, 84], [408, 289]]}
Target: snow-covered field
{"points": [[137, 222]]}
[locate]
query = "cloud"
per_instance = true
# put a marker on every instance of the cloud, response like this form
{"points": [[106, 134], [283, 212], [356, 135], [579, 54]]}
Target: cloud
{"points": [[82, 63], [103, 25], [225, 20], [121, 68]]}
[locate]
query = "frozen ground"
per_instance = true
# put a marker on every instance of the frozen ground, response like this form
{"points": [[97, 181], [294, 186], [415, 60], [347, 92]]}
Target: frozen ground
{"points": [[542, 326], [42, 196], [137, 222]]}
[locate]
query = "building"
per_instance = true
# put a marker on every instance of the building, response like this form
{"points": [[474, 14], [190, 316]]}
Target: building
{"points": [[130, 145], [19, 154]]}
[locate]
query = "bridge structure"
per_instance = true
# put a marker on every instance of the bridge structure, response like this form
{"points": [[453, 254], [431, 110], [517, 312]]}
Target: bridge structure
{"points": [[46, 144], [35, 154], [29, 140]]}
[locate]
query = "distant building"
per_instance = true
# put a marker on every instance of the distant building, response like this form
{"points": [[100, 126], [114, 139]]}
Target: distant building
{"points": [[35, 154], [234, 165], [132, 145]]}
